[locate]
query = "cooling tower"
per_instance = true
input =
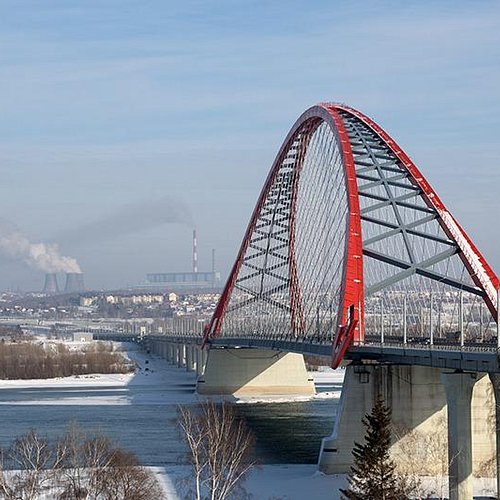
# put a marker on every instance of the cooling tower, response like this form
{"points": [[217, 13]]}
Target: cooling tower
{"points": [[74, 283], [50, 285]]}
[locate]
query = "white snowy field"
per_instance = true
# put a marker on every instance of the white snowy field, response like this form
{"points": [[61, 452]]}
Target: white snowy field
{"points": [[303, 482], [284, 482]]}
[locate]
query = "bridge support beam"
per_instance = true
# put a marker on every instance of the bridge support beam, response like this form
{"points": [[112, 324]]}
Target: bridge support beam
{"points": [[201, 358], [356, 401], [181, 355], [458, 387], [418, 398], [190, 358], [495, 382], [170, 352], [254, 372]]}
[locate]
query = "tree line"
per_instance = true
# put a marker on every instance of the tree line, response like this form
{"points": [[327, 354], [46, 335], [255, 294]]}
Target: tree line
{"points": [[27, 360]]}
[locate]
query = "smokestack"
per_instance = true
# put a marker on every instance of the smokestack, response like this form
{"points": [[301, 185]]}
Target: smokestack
{"points": [[195, 253], [50, 285], [74, 283], [213, 261]]}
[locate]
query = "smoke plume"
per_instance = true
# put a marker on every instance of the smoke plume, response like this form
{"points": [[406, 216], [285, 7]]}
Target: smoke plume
{"points": [[129, 219], [45, 257]]}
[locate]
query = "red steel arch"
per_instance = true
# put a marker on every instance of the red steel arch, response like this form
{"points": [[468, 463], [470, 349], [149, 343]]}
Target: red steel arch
{"points": [[350, 322], [479, 270]]}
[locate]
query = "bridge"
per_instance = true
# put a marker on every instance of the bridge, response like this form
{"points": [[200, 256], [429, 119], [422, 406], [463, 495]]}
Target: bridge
{"points": [[350, 254]]}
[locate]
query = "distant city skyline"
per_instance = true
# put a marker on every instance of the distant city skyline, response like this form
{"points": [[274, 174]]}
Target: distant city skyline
{"points": [[126, 124]]}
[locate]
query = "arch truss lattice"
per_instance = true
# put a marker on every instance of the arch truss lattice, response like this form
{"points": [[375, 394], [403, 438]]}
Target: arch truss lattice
{"points": [[349, 243]]}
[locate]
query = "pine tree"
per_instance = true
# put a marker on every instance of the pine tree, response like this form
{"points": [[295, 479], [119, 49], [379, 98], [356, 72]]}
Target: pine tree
{"points": [[372, 475]]}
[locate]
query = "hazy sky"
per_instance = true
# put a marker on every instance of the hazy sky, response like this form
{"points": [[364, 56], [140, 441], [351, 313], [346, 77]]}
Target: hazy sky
{"points": [[113, 107]]}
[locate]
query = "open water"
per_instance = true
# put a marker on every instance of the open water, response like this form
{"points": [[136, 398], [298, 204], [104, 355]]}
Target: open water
{"points": [[285, 432]]}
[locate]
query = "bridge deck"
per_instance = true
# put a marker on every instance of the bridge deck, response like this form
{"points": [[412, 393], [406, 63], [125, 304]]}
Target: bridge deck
{"points": [[475, 358]]}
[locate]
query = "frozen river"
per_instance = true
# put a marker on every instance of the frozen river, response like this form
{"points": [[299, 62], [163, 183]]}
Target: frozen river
{"points": [[139, 412]]}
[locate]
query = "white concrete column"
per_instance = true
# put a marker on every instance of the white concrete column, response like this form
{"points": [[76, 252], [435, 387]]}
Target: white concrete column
{"points": [[181, 360], [170, 352], [495, 381], [254, 372], [194, 359], [189, 358], [178, 358], [199, 361], [203, 356], [458, 388], [355, 401]]}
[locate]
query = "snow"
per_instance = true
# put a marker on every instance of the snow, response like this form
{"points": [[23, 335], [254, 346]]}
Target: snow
{"points": [[151, 383], [299, 482], [76, 381], [284, 482]]}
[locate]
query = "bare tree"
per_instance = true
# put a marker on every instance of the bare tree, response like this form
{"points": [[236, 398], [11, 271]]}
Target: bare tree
{"points": [[71, 471], [76, 466], [220, 445], [195, 434], [32, 455], [97, 454], [6, 489], [418, 453], [125, 479], [94, 467]]}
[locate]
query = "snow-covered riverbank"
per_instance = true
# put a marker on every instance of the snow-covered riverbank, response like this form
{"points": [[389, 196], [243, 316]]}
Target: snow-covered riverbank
{"points": [[286, 482], [151, 372], [300, 482]]}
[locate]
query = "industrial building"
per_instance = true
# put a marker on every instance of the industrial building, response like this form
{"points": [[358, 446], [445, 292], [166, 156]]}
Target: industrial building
{"points": [[175, 281], [186, 282]]}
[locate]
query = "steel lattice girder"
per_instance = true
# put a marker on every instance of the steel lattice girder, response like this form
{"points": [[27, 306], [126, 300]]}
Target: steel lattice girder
{"points": [[386, 201]]}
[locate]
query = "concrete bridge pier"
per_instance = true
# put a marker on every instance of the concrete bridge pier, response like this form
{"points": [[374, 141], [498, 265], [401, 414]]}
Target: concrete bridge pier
{"points": [[181, 355], [201, 358], [190, 358], [355, 401], [152, 347], [441, 422], [254, 372], [199, 364], [458, 388], [157, 349], [170, 352], [495, 382], [196, 348], [204, 359]]}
